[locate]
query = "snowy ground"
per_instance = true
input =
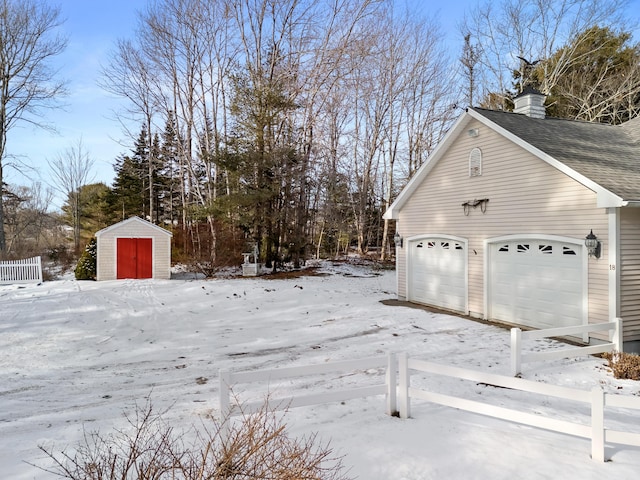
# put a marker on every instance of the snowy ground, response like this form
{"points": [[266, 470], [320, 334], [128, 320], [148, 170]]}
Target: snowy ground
{"points": [[79, 355]]}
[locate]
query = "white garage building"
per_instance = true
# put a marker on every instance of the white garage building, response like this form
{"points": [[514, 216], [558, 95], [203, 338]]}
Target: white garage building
{"points": [[494, 223]]}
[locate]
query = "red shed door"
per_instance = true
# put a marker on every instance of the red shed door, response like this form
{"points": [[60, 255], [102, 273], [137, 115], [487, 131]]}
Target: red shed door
{"points": [[134, 258]]}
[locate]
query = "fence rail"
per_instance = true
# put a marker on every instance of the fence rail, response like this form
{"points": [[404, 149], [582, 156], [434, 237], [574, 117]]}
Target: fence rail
{"points": [[597, 399], [399, 393], [517, 336], [228, 379], [28, 270]]}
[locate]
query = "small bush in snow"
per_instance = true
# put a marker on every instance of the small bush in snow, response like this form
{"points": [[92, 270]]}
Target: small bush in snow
{"points": [[87, 265], [624, 365], [258, 447]]}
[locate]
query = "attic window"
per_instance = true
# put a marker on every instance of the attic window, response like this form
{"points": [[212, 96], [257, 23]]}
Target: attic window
{"points": [[475, 163]]}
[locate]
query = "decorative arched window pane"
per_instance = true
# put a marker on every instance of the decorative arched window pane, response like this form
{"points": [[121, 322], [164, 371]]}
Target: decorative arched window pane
{"points": [[475, 163]]}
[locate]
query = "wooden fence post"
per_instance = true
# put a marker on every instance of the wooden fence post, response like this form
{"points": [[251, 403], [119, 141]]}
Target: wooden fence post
{"points": [[392, 384], [597, 424], [405, 379], [516, 351]]}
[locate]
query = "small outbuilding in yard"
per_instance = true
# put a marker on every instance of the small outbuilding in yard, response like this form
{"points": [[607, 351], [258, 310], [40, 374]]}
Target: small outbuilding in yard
{"points": [[133, 248]]}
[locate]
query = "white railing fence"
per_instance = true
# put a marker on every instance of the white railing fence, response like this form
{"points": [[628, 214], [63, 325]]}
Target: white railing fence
{"points": [[400, 394], [228, 379], [518, 336], [28, 270], [598, 400]]}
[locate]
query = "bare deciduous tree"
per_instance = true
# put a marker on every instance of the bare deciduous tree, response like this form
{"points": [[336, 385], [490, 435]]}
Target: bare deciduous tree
{"points": [[71, 170], [29, 227], [534, 31], [292, 118], [603, 82], [27, 82]]}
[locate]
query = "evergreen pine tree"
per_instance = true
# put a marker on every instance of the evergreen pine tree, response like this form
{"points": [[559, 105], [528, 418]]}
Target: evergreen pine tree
{"points": [[126, 196], [86, 268], [169, 173]]}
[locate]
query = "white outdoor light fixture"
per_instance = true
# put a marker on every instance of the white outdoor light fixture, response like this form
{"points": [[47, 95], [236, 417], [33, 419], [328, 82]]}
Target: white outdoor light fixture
{"points": [[397, 239], [593, 245]]}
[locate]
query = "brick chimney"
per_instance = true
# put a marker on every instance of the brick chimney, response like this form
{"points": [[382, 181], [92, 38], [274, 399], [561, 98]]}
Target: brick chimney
{"points": [[530, 102]]}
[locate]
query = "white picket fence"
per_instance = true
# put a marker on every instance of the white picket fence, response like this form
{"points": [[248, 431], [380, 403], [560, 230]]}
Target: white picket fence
{"points": [[518, 336], [28, 270], [400, 394]]}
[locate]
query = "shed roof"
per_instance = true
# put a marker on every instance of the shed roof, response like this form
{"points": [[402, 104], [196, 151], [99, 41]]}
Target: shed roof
{"points": [[133, 220]]}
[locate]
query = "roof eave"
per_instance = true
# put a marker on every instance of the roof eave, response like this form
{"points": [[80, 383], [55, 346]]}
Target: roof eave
{"points": [[607, 199]]}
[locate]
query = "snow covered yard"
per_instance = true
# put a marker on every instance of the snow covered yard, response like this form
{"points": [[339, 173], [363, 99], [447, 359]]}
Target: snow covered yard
{"points": [[78, 355]]}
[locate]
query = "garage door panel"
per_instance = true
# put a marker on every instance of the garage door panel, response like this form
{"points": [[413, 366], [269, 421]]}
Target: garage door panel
{"points": [[437, 273], [537, 283]]}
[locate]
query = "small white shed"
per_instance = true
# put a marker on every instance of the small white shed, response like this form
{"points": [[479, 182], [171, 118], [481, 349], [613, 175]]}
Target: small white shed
{"points": [[133, 248]]}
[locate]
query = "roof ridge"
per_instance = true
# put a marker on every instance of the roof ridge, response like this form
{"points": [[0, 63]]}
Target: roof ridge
{"points": [[521, 115]]}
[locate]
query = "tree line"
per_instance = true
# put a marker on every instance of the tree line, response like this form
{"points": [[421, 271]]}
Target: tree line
{"points": [[292, 124]]}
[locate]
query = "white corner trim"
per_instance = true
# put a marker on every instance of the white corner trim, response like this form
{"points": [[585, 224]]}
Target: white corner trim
{"points": [[613, 253]]}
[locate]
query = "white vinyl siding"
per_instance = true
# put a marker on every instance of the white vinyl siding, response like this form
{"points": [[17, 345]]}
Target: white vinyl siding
{"points": [[526, 196], [630, 273]]}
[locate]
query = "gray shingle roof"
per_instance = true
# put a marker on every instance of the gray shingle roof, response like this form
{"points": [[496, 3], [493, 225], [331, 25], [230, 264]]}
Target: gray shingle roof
{"points": [[606, 154]]}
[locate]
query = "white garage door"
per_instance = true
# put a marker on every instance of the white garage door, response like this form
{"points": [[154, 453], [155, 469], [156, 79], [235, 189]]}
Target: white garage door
{"points": [[538, 283], [437, 273]]}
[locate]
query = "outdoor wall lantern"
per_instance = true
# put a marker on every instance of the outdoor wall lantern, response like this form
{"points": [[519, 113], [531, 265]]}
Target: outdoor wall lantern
{"points": [[593, 245], [397, 239]]}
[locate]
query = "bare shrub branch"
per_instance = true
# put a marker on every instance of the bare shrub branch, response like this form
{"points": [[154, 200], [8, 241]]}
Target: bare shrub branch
{"points": [[257, 447]]}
